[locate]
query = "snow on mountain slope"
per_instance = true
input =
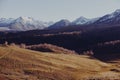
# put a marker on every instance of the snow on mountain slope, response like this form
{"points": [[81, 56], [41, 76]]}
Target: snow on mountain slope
{"points": [[91, 21], [84, 21], [80, 20], [113, 18], [28, 23], [23, 24], [59, 24], [109, 19], [5, 22]]}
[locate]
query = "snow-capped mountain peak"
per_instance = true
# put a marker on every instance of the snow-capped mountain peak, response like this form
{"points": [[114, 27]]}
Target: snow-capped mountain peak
{"points": [[117, 11], [80, 20], [110, 18], [59, 24], [24, 20], [64, 21], [23, 23]]}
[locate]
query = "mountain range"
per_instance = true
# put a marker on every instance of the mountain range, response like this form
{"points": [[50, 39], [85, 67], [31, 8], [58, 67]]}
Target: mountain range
{"points": [[22, 24], [28, 23], [108, 19]]}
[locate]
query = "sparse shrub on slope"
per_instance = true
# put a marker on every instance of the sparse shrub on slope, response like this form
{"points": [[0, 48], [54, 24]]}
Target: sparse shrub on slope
{"points": [[50, 48]]}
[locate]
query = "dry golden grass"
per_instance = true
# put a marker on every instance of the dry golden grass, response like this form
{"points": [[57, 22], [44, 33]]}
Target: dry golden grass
{"points": [[22, 64], [50, 48]]}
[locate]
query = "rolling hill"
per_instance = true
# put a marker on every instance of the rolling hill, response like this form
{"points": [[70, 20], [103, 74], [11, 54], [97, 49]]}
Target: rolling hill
{"points": [[22, 64], [79, 38]]}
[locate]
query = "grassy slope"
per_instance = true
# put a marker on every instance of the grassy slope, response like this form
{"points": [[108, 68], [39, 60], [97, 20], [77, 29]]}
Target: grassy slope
{"points": [[22, 64]]}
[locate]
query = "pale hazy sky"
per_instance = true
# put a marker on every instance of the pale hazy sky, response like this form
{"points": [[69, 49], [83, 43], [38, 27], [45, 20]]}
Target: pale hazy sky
{"points": [[54, 10]]}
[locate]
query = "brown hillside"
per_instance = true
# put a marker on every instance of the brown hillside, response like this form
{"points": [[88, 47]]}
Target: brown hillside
{"points": [[22, 64]]}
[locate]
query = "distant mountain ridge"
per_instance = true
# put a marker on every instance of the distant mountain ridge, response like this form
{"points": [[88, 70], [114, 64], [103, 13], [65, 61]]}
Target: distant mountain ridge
{"points": [[80, 20], [59, 24], [109, 19], [28, 23], [113, 18], [22, 24]]}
